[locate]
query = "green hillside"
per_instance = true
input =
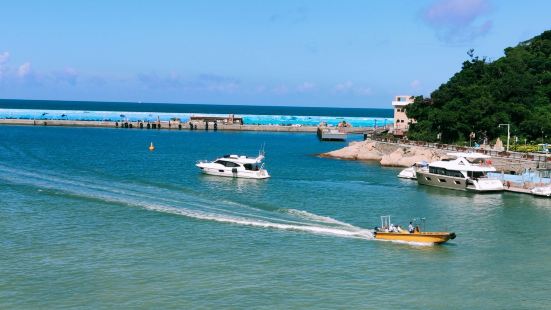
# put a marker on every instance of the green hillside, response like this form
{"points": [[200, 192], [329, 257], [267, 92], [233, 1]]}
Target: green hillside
{"points": [[515, 89]]}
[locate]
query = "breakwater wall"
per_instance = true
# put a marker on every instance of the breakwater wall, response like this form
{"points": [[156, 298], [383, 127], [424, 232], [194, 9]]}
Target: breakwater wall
{"points": [[172, 125]]}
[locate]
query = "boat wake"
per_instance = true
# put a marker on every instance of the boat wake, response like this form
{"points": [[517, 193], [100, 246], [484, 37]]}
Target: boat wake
{"points": [[176, 202]]}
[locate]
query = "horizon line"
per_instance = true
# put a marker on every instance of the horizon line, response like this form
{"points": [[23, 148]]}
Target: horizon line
{"points": [[187, 103]]}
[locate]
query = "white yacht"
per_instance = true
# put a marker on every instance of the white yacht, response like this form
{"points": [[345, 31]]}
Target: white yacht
{"points": [[466, 172], [235, 166], [411, 172]]}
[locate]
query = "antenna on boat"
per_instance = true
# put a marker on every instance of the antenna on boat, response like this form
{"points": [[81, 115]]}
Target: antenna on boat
{"points": [[262, 151]]}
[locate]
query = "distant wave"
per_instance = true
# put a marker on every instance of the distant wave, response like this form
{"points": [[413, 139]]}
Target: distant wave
{"points": [[251, 119]]}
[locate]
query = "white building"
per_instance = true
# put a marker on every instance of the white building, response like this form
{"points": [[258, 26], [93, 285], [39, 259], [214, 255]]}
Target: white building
{"points": [[401, 121]]}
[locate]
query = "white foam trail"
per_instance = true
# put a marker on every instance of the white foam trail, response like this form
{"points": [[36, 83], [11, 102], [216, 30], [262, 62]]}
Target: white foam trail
{"points": [[317, 218], [74, 188], [135, 194], [359, 233]]}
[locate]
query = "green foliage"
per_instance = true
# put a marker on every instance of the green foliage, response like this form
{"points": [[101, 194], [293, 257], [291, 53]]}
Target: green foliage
{"points": [[530, 148], [514, 89]]}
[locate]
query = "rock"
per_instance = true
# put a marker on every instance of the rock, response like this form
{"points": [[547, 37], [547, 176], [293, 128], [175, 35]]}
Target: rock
{"points": [[407, 156], [365, 150], [386, 154]]}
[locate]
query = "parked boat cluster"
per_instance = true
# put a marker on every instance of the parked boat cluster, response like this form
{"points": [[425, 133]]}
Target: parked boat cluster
{"points": [[468, 171]]}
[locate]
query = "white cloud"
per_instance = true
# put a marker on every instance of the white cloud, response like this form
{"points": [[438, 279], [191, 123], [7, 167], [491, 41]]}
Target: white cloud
{"points": [[202, 82], [344, 87], [349, 87], [4, 57], [458, 20], [306, 87], [364, 91], [24, 70]]}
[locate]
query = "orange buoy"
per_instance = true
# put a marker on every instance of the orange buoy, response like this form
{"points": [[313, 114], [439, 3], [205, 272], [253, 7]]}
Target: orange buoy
{"points": [[151, 147]]}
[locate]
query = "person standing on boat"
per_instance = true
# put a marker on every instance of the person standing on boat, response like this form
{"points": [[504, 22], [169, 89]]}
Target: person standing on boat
{"points": [[410, 228]]}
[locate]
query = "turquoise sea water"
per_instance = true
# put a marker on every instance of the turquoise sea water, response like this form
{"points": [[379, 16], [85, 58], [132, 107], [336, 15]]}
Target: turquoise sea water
{"points": [[89, 218], [248, 119], [133, 111]]}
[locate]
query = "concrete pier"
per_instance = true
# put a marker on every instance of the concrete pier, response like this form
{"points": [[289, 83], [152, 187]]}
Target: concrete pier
{"points": [[172, 125]]}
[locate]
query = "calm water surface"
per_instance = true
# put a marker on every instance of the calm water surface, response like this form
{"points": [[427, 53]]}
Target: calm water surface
{"points": [[89, 218]]}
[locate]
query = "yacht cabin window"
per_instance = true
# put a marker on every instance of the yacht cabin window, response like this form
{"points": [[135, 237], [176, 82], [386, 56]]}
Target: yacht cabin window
{"points": [[226, 163], [443, 171], [251, 167]]}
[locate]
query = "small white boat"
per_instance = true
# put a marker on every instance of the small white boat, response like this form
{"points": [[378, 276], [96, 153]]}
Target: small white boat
{"points": [[411, 172], [541, 191], [235, 166]]}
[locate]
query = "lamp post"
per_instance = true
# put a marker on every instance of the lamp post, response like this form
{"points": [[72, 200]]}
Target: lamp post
{"points": [[508, 133]]}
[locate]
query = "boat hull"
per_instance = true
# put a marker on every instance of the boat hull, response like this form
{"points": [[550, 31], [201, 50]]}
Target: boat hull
{"points": [[458, 183], [423, 237], [443, 181], [261, 174]]}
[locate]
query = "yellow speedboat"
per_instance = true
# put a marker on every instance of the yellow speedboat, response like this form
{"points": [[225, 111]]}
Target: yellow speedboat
{"points": [[387, 233], [422, 237]]}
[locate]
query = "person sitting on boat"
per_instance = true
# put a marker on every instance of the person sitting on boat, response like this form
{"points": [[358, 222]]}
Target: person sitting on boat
{"points": [[399, 229], [391, 228], [410, 227]]}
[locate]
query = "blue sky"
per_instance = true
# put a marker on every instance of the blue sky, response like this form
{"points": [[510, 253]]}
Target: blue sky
{"points": [[297, 53]]}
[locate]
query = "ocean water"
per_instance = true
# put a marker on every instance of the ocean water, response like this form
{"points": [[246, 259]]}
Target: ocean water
{"points": [[262, 115], [89, 218], [194, 108]]}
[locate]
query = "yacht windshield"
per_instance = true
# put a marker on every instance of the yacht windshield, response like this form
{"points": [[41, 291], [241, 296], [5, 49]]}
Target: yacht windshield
{"points": [[477, 174], [253, 167], [476, 161]]}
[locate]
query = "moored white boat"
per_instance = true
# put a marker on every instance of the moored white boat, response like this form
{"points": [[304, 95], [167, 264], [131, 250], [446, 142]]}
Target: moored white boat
{"points": [[235, 166], [468, 171], [411, 172]]}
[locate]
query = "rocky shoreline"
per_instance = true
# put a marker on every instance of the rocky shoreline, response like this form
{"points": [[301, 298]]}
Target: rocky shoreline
{"points": [[390, 155], [397, 155]]}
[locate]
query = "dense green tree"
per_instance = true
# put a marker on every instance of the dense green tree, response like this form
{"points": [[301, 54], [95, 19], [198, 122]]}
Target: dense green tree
{"points": [[515, 89]]}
